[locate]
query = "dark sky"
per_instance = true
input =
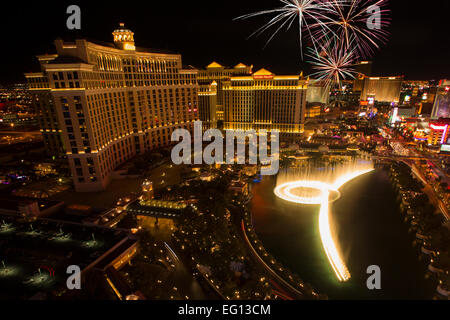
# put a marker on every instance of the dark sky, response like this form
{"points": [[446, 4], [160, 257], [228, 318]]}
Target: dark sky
{"points": [[204, 30]]}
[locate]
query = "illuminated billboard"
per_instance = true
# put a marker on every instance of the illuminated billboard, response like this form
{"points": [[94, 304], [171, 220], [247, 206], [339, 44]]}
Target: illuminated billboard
{"points": [[441, 107], [445, 148], [394, 117]]}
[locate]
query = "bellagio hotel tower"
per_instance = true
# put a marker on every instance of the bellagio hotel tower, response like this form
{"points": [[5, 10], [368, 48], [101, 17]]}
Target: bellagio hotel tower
{"points": [[112, 102]]}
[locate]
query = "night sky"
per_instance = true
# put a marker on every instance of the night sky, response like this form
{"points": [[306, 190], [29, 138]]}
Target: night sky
{"points": [[204, 30]]}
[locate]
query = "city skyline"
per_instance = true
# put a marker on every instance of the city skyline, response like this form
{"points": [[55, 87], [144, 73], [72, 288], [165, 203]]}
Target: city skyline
{"points": [[203, 33], [159, 153]]}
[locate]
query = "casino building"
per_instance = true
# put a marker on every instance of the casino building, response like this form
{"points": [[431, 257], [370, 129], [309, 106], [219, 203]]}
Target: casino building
{"points": [[265, 101], [112, 102], [439, 132], [211, 81], [441, 108], [207, 105], [45, 109], [380, 89]]}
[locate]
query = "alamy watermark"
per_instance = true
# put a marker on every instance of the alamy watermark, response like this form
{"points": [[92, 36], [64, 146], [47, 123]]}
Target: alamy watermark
{"points": [[74, 20], [258, 142], [74, 280], [374, 281], [374, 21]]}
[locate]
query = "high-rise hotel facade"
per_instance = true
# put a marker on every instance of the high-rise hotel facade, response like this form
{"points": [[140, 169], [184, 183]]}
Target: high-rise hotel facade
{"points": [[45, 109], [265, 101], [211, 81], [113, 102]]}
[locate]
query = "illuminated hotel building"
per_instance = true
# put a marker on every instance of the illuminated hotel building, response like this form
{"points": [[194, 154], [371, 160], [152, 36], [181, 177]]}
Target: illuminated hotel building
{"points": [[441, 108], [207, 105], [264, 101], [114, 102], [215, 75], [45, 109], [318, 92], [381, 89], [439, 132]]}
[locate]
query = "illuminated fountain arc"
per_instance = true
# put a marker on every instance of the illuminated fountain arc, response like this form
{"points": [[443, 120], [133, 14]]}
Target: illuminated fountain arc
{"points": [[286, 191]]}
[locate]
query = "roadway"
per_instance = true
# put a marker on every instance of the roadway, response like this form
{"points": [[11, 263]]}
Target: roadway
{"points": [[182, 280], [428, 189], [280, 287]]}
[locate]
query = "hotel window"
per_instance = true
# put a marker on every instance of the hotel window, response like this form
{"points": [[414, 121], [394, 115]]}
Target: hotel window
{"points": [[79, 172]]}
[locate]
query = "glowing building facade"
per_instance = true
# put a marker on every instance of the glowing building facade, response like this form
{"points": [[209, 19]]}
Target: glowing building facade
{"points": [[44, 106], [440, 132], [265, 101], [381, 89], [441, 108], [212, 79], [318, 92], [113, 102], [207, 105]]}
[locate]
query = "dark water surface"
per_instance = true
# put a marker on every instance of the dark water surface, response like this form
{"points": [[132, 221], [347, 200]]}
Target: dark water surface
{"points": [[368, 230]]}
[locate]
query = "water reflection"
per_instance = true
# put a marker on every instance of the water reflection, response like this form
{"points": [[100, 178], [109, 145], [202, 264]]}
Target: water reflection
{"points": [[369, 228]]}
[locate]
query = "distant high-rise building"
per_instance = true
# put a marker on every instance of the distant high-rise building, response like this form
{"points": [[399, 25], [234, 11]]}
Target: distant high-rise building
{"points": [[318, 92], [382, 89], [441, 108], [207, 105], [363, 69], [212, 78], [439, 132], [265, 101], [114, 101]]}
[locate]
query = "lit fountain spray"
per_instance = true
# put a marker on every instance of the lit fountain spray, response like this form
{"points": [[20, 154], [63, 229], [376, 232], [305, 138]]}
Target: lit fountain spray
{"points": [[320, 186], [4, 271]]}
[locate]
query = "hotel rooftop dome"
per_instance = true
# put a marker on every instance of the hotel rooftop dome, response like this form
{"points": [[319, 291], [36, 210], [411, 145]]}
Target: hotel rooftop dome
{"points": [[124, 38]]}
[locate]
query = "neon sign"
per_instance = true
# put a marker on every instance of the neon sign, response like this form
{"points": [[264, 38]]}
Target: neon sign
{"points": [[438, 128]]}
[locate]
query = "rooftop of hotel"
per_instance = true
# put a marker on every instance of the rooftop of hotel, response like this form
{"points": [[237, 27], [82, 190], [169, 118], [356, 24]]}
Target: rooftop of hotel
{"points": [[72, 42], [216, 65]]}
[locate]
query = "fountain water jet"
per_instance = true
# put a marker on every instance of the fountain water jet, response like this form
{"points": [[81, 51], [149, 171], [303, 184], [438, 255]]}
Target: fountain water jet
{"points": [[313, 185]]}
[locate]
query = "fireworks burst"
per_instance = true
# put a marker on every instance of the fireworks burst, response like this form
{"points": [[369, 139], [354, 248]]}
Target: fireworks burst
{"points": [[364, 22], [341, 32], [334, 60], [305, 12]]}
